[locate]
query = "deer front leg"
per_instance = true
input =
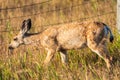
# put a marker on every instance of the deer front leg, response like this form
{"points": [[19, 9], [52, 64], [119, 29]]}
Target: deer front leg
{"points": [[49, 56]]}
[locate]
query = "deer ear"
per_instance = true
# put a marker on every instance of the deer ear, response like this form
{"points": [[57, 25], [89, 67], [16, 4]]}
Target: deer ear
{"points": [[23, 25], [26, 26], [29, 24]]}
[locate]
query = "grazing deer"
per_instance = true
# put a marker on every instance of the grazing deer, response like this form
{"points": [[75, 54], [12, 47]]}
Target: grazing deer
{"points": [[67, 36]]}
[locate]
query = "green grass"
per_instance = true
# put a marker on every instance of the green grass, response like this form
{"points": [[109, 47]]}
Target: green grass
{"points": [[25, 63]]}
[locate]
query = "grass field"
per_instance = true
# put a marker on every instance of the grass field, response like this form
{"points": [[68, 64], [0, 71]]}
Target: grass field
{"points": [[25, 63]]}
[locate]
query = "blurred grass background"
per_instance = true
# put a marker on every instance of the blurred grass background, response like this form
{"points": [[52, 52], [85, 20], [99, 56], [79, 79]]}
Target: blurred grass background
{"points": [[26, 61]]}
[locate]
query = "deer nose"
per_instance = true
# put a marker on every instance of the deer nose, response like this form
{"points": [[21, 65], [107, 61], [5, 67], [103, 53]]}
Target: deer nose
{"points": [[10, 47]]}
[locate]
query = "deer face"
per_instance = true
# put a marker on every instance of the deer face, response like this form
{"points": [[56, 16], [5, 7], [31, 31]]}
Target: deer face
{"points": [[19, 39]]}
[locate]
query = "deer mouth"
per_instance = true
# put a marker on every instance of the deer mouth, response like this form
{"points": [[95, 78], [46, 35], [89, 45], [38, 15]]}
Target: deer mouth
{"points": [[10, 48]]}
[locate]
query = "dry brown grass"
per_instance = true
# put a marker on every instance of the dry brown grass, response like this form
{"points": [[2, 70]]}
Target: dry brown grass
{"points": [[25, 62]]}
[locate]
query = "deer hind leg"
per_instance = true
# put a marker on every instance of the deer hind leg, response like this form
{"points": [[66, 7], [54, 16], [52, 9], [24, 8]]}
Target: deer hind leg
{"points": [[63, 54], [49, 56], [101, 51]]}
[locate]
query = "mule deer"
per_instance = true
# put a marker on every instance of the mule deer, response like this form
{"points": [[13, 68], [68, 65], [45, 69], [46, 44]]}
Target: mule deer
{"points": [[67, 36]]}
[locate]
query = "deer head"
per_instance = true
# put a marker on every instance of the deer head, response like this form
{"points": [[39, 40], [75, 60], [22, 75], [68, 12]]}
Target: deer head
{"points": [[20, 38]]}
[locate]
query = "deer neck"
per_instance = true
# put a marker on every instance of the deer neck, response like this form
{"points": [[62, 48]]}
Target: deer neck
{"points": [[32, 38]]}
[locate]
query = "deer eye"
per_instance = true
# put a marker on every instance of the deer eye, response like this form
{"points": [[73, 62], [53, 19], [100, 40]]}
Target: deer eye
{"points": [[15, 39]]}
